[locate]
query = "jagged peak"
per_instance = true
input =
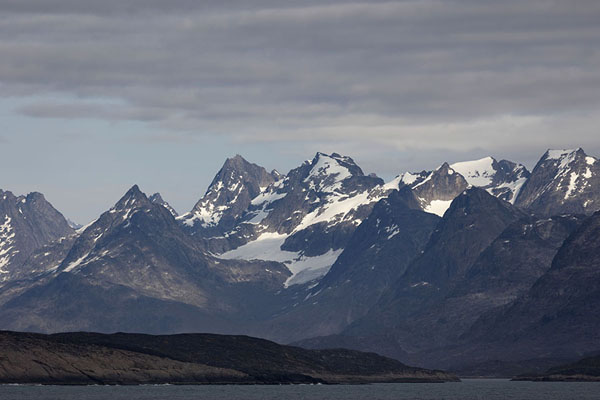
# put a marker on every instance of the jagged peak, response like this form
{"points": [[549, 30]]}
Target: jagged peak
{"points": [[471, 196], [32, 196], [334, 163], [236, 161], [445, 169], [6, 194], [156, 198], [133, 198], [558, 154], [477, 172]]}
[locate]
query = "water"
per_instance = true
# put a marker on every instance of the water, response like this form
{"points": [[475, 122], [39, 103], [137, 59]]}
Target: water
{"points": [[469, 389]]}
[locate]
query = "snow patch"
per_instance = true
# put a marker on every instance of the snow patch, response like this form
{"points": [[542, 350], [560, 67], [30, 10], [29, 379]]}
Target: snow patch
{"points": [[559, 154], [476, 173], [438, 207], [572, 185], [324, 168], [267, 247], [6, 243]]}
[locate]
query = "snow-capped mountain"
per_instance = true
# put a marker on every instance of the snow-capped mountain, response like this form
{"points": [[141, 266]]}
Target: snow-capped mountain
{"points": [[305, 218], [157, 198], [562, 182], [228, 196], [502, 179], [26, 224], [435, 189]]}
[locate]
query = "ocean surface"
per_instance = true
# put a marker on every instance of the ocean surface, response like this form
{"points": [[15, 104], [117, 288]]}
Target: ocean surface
{"points": [[469, 389]]}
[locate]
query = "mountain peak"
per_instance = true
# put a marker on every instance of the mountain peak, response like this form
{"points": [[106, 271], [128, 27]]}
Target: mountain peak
{"points": [[327, 172], [133, 198], [557, 154], [156, 198], [236, 162], [229, 194], [563, 181]]}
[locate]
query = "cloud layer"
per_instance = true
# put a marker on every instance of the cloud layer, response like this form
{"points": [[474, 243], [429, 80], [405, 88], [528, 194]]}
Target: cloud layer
{"points": [[262, 69]]}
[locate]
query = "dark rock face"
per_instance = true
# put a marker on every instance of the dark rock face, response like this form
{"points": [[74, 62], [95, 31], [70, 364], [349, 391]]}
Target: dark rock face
{"points": [[472, 222], [377, 254], [228, 196], [408, 309], [157, 198], [90, 358], [509, 180], [562, 182], [435, 190], [26, 224], [558, 314]]}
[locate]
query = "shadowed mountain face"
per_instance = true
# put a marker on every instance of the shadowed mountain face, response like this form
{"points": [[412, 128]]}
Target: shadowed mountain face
{"points": [[558, 312], [26, 224], [470, 225], [157, 198], [376, 255], [91, 358]]}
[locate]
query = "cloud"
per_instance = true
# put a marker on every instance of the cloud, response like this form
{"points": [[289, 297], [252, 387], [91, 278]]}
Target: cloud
{"points": [[405, 74]]}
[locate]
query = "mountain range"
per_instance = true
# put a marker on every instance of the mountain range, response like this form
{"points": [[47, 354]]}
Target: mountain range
{"points": [[455, 267]]}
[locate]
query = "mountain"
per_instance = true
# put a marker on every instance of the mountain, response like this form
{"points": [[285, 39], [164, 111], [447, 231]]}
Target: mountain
{"points": [[157, 198], [377, 254], [26, 224], [135, 268], [305, 219], [503, 179], [228, 196], [91, 358], [562, 182], [406, 312], [434, 190], [556, 316]]}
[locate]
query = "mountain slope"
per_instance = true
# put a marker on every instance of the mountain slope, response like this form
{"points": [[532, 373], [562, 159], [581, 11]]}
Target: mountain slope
{"points": [[503, 179], [228, 196], [562, 182], [407, 310], [377, 254], [435, 190], [557, 315], [136, 262], [26, 224], [157, 198], [305, 219]]}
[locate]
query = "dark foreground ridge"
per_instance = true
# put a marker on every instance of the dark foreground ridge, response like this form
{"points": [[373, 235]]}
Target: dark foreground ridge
{"points": [[128, 359], [585, 370]]}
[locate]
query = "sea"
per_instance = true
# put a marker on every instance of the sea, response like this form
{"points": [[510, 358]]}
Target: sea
{"points": [[468, 389]]}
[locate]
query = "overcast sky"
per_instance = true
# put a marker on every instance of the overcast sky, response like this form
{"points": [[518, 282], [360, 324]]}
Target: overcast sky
{"points": [[98, 95]]}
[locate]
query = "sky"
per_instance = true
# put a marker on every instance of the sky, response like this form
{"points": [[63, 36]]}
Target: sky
{"points": [[96, 96]]}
